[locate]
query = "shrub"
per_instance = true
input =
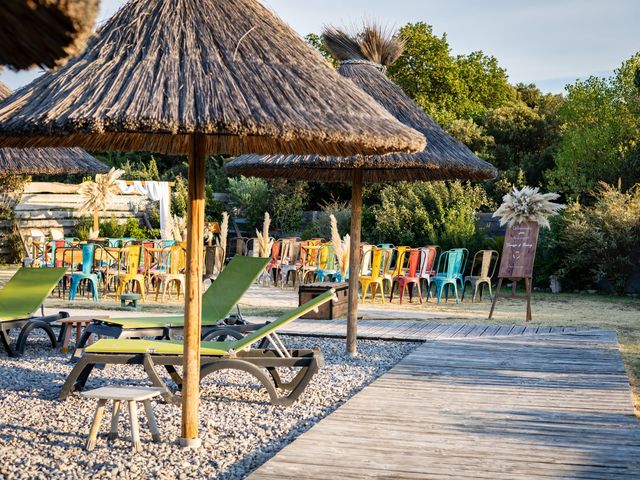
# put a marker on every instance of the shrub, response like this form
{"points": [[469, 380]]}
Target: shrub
{"points": [[83, 228], [213, 208], [251, 196], [320, 227], [442, 213], [287, 201], [111, 228], [602, 240]]}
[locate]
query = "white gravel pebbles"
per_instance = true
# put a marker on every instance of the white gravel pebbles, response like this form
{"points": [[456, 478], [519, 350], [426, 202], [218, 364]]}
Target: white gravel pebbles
{"points": [[43, 438]]}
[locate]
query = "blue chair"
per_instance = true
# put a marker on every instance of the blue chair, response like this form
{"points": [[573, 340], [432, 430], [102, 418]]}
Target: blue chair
{"points": [[465, 258], [327, 270], [113, 242], [450, 269], [86, 274]]}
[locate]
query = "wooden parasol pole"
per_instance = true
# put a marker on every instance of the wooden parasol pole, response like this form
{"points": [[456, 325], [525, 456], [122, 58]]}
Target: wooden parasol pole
{"points": [[193, 297], [354, 261]]}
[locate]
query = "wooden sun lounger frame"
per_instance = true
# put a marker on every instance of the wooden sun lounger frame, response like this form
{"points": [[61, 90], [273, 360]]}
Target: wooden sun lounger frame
{"points": [[26, 326], [261, 363]]}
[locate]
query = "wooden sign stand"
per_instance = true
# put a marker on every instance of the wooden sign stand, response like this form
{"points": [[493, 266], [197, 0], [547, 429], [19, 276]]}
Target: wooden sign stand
{"points": [[518, 255]]}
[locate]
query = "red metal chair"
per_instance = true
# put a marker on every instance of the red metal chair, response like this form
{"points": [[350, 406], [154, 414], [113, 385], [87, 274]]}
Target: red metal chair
{"points": [[409, 279]]}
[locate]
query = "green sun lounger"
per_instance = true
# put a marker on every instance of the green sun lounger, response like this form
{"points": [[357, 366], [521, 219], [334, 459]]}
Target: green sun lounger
{"points": [[23, 294], [215, 356], [221, 297]]}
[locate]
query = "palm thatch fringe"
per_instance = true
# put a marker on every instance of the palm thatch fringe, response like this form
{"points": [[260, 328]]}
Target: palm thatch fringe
{"points": [[44, 32], [46, 161], [443, 158], [160, 70]]}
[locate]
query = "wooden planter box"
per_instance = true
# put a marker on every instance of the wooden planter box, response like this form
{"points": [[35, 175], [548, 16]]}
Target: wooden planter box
{"points": [[331, 310]]}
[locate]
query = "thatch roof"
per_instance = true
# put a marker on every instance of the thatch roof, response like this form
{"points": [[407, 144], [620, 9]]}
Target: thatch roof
{"points": [[35, 161], [364, 60], [44, 32], [160, 70]]}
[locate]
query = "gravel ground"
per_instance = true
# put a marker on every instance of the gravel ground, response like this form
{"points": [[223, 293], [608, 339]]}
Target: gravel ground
{"points": [[41, 437]]}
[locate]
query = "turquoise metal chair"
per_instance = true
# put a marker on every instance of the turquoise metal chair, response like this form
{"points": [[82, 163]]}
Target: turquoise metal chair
{"points": [[86, 274], [328, 270], [465, 259], [113, 242], [450, 268]]}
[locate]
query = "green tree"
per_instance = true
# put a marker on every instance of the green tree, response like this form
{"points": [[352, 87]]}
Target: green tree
{"points": [[287, 200], [601, 134], [448, 87], [250, 197]]}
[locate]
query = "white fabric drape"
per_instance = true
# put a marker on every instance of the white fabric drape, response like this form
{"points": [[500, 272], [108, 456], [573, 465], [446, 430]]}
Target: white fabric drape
{"points": [[157, 192]]}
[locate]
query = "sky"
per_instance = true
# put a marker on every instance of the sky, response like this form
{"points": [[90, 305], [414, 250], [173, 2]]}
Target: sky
{"points": [[546, 42]]}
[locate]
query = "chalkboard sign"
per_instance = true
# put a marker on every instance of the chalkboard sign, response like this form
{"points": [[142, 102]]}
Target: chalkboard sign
{"points": [[519, 251]]}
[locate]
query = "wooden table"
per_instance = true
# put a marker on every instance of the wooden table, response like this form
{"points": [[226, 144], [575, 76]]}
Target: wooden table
{"points": [[79, 322]]}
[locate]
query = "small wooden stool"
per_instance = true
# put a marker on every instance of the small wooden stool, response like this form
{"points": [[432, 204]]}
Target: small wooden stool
{"points": [[131, 395], [78, 322], [130, 300]]}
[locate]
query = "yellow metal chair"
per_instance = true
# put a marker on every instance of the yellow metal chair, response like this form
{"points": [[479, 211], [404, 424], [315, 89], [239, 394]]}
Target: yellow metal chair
{"points": [[131, 258], [374, 279]]}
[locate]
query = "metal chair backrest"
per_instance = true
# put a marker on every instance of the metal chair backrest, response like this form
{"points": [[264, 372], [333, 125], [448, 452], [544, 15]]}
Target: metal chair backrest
{"points": [[365, 263], [387, 257], [276, 248], [413, 262], [451, 263], [88, 256], [253, 247], [484, 263], [132, 259], [294, 252], [428, 259], [377, 257], [177, 259], [400, 258], [465, 257]]}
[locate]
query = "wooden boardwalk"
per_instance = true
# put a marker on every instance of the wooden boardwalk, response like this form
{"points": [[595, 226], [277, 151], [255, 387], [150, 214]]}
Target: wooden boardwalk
{"points": [[519, 407], [421, 330]]}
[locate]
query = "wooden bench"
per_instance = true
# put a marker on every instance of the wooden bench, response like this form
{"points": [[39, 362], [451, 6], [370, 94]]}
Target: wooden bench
{"points": [[131, 395]]}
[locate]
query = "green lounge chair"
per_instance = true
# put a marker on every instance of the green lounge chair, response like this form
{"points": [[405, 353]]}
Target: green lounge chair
{"points": [[215, 356], [221, 297], [20, 297]]}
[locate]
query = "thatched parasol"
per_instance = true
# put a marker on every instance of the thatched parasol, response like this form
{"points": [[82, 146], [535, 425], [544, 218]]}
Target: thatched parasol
{"points": [[51, 161], [44, 32], [200, 77], [364, 60]]}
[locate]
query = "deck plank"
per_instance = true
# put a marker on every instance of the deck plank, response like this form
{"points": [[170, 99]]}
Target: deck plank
{"points": [[554, 405]]}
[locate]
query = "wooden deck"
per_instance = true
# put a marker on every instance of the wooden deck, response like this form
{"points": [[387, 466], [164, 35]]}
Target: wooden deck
{"points": [[420, 330], [528, 406]]}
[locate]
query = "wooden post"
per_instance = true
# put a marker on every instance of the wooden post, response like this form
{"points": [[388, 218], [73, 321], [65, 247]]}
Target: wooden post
{"points": [[193, 297], [354, 261]]}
